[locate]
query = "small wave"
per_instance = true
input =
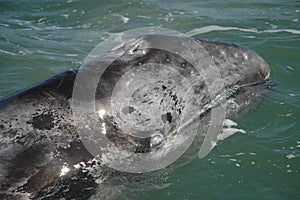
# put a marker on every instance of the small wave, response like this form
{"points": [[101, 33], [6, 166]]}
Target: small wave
{"points": [[50, 28], [56, 54], [5, 25], [211, 28], [143, 16], [207, 29], [123, 18], [282, 30], [7, 52], [30, 25]]}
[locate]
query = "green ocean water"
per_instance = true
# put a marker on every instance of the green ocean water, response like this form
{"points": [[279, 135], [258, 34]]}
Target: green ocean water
{"points": [[39, 39]]}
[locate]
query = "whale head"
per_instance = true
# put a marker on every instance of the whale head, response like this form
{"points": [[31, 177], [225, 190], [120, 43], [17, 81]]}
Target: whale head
{"points": [[156, 86]]}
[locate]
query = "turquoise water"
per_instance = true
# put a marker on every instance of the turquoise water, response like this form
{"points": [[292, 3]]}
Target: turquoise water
{"points": [[39, 39]]}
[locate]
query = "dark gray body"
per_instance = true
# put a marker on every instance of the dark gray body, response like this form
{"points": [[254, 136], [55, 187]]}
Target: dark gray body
{"points": [[37, 131]]}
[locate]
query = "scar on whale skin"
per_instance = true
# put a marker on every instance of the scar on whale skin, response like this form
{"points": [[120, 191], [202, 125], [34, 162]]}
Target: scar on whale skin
{"points": [[44, 121]]}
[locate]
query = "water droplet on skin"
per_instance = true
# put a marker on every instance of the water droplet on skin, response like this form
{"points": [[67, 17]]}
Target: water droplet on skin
{"points": [[245, 56]]}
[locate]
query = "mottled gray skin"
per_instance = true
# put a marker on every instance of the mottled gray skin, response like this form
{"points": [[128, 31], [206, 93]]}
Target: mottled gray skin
{"points": [[37, 131]]}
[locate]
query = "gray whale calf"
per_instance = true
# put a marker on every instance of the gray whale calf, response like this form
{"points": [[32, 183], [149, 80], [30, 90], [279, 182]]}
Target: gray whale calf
{"points": [[42, 154]]}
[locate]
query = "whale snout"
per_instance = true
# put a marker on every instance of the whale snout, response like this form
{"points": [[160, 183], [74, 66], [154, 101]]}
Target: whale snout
{"points": [[261, 65], [254, 64], [237, 65]]}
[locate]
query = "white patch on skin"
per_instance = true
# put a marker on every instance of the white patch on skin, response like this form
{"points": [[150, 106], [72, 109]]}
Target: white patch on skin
{"points": [[64, 170], [103, 128], [101, 113], [267, 77], [77, 166], [245, 56]]}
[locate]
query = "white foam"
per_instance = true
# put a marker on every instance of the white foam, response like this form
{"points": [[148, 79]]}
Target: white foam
{"points": [[207, 29], [282, 30], [294, 95], [123, 18], [229, 123], [6, 25], [229, 132], [250, 36], [29, 24], [211, 28], [289, 67], [49, 28], [142, 16], [290, 156], [71, 55], [7, 52]]}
